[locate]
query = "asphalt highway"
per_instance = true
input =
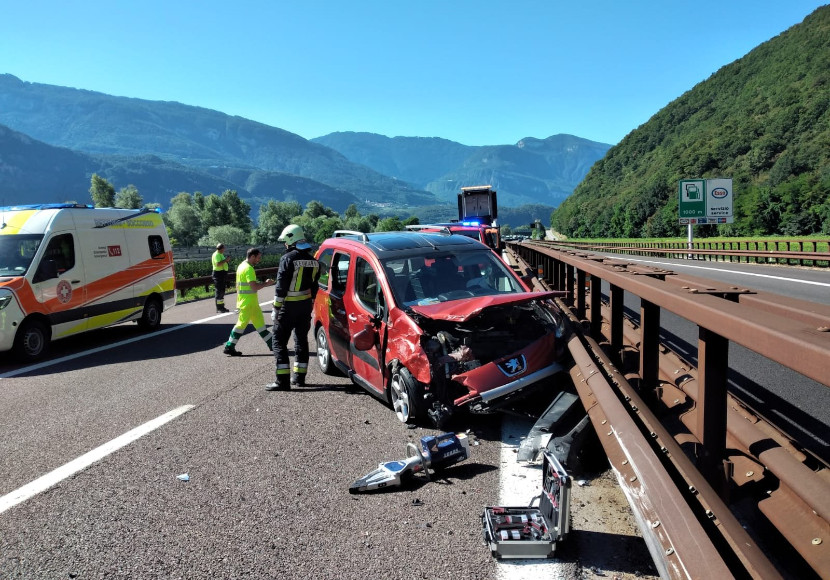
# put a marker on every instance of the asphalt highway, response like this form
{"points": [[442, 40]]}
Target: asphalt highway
{"points": [[95, 444]]}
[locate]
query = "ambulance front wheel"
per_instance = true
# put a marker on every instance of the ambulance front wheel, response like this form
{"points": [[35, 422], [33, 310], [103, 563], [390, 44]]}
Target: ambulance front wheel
{"points": [[151, 317], [32, 340]]}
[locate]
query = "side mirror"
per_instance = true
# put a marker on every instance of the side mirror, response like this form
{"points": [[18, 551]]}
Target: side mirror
{"points": [[365, 339]]}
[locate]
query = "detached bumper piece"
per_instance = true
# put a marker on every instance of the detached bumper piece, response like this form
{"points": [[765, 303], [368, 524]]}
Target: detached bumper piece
{"points": [[532, 532]]}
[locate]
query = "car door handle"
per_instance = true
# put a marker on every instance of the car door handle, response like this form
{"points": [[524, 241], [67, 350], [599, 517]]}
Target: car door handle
{"points": [[76, 281], [352, 317]]}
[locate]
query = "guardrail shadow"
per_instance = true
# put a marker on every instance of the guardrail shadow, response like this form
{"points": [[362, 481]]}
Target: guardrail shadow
{"points": [[810, 432]]}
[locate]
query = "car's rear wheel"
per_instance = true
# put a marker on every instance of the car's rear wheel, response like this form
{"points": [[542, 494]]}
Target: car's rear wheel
{"points": [[31, 341], [323, 353], [406, 396]]}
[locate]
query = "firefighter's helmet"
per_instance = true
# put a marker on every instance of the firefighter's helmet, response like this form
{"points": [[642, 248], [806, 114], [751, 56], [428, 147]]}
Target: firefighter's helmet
{"points": [[293, 235]]}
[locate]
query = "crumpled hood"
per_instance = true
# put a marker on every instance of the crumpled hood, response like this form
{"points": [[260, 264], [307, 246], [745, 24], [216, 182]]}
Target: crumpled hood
{"points": [[467, 308]]}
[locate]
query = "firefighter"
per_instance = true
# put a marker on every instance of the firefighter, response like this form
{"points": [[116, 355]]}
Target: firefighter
{"points": [[296, 287], [248, 303], [220, 276]]}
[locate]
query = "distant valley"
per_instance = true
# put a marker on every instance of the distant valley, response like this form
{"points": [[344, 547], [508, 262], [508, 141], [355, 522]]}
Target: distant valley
{"points": [[53, 138]]}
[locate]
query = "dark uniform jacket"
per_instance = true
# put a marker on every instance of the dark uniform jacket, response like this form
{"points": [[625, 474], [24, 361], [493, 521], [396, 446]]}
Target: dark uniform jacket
{"points": [[296, 278]]}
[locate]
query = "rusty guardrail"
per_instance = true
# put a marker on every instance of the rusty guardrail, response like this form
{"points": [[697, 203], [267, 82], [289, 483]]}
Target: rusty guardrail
{"points": [[685, 451], [815, 253]]}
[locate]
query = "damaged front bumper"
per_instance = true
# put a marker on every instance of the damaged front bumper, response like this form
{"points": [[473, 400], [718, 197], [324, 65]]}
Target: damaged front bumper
{"points": [[487, 397]]}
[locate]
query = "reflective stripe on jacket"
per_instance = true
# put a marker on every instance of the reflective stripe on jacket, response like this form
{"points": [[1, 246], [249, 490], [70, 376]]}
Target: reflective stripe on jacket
{"points": [[297, 277]]}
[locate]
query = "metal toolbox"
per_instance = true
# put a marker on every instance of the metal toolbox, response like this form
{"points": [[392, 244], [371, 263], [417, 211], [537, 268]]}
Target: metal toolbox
{"points": [[532, 532]]}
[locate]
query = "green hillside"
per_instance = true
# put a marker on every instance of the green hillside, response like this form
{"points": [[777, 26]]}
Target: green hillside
{"points": [[763, 120]]}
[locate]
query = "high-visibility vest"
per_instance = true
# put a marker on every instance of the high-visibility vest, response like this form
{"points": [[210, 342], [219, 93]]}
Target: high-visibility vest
{"points": [[216, 258], [245, 293]]}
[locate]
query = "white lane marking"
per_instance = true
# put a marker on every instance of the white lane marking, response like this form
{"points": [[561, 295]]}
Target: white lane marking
{"points": [[138, 338], [45, 482], [733, 272], [519, 483]]}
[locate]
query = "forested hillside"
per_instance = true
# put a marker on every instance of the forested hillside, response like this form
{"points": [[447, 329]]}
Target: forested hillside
{"points": [[763, 120]]}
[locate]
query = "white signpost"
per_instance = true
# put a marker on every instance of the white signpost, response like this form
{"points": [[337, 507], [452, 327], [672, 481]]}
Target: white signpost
{"points": [[704, 201]]}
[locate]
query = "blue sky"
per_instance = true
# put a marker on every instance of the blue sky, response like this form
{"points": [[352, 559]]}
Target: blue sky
{"points": [[482, 72]]}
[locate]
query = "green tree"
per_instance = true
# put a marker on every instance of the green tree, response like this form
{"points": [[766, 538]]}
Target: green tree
{"points": [[102, 192], [128, 197], [390, 224], [238, 210], [273, 217], [351, 212], [228, 235], [183, 220], [314, 209]]}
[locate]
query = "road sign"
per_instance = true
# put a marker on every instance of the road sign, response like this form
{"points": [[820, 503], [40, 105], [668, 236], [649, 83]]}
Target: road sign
{"points": [[705, 201]]}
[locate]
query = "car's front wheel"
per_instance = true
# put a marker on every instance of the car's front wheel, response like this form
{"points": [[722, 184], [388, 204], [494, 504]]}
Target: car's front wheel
{"points": [[406, 396]]}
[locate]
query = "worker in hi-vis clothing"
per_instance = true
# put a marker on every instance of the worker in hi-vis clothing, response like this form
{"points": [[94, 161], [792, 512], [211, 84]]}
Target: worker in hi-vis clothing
{"points": [[248, 303], [294, 294], [220, 276]]}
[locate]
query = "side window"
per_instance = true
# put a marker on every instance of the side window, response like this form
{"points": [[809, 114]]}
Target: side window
{"points": [[156, 246], [339, 273], [366, 285], [58, 258], [325, 260]]}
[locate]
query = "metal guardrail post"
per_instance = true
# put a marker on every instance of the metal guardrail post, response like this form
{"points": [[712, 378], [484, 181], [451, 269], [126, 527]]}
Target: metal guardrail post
{"points": [[713, 369], [649, 344], [579, 291], [617, 319]]}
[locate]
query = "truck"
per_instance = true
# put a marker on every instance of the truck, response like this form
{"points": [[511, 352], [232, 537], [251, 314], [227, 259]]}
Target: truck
{"points": [[477, 213], [67, 268]]}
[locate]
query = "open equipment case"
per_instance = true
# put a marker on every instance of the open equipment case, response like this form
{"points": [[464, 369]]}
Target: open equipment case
{"points": [[532, 532]]}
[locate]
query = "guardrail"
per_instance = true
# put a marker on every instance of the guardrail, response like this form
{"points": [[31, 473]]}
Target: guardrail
{"points": [[185, 284], [685, 451], [186, 253], [814, 253]]}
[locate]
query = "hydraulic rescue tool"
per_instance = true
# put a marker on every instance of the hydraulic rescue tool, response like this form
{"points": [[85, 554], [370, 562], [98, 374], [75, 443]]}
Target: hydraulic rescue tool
{"points": [[437, 452]]}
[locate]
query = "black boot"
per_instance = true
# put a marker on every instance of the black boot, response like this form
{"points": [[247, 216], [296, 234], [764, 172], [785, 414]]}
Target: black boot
{"points": [[281, 384], [297, 380]]}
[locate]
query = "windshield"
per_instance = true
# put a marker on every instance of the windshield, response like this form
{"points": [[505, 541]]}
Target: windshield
{"points": [[16, 253], [448, 276]]}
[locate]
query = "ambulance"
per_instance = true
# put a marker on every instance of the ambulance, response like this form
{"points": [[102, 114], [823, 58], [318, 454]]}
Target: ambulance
{"points": [[67, 268]]}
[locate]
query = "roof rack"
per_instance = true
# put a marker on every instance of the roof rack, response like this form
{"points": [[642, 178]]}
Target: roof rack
{"points": [[441, 229], [340, 233]]}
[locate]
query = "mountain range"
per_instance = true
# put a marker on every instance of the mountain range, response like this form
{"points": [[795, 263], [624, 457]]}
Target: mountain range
{"points": [[763, 120], [53, 138]]}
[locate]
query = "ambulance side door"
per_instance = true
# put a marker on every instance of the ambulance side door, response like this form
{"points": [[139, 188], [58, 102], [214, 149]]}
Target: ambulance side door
{"points": [[59, 284], [109, 290]]}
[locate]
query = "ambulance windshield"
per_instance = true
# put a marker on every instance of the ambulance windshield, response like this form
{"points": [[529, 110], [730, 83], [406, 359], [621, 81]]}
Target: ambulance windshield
{"points": [[17, 252]]}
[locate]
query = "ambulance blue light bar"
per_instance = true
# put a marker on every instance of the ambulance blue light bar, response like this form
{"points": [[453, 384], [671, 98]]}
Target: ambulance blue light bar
{"points": [[471, 223]]}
